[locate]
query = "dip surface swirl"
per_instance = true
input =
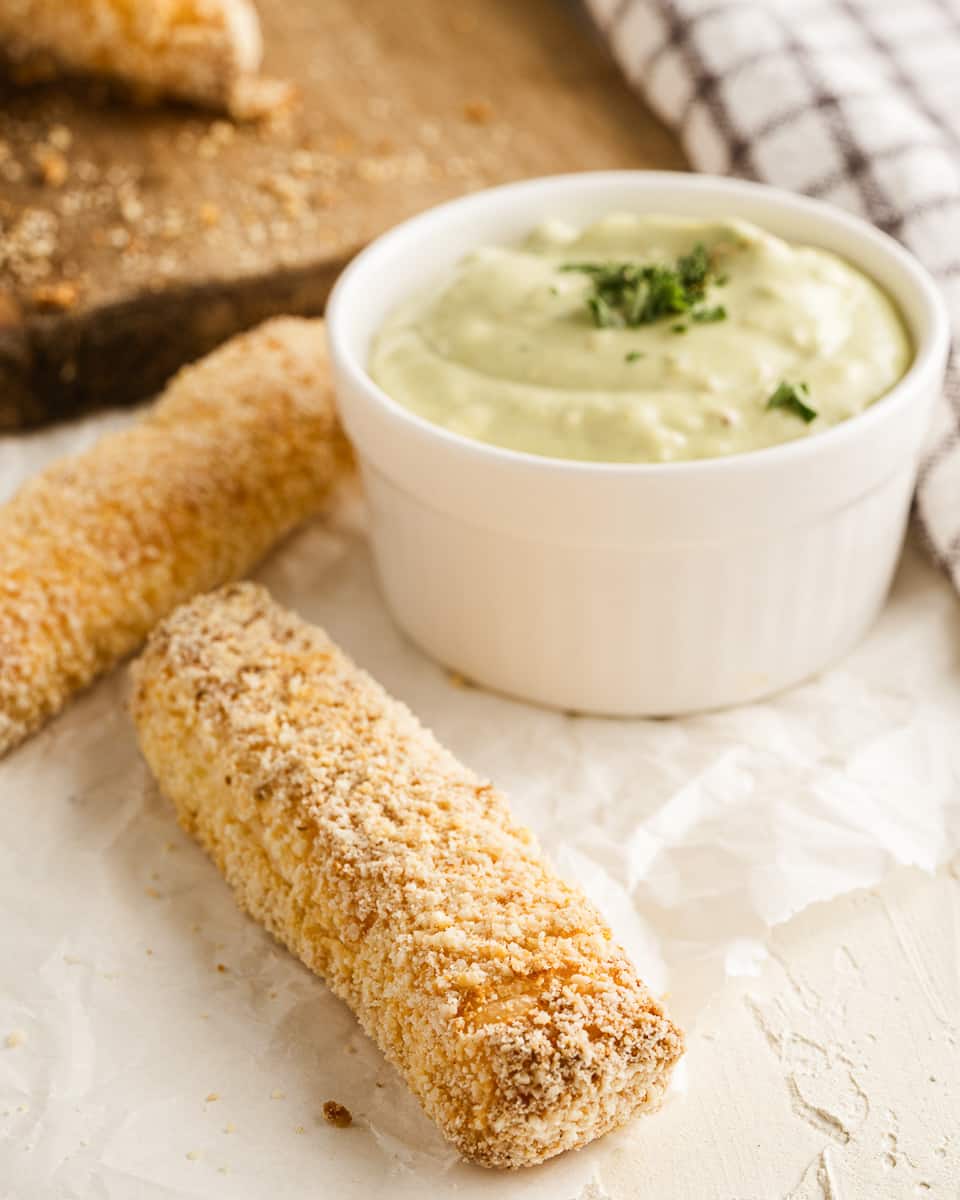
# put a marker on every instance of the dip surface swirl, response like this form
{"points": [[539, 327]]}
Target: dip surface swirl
{"points": [[509, 351]]}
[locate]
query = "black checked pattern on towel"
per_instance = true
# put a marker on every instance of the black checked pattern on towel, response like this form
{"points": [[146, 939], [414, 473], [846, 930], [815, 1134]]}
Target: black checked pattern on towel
{"points": [[856, 102]]}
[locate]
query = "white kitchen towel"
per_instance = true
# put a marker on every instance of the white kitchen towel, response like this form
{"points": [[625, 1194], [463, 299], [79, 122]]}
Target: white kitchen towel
{"points": [[856, 102]]}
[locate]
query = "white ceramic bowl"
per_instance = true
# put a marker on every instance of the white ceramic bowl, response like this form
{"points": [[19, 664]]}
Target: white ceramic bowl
{"points": [[621, 588]]}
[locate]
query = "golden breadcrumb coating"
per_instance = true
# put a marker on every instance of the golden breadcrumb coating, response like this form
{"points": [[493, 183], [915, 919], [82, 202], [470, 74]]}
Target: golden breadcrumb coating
{"points": [[401, 877], [206, 51], [97, 548]]}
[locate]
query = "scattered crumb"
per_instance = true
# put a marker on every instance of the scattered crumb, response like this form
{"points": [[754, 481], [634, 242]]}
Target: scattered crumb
{"points": [[478, 112], [458, 680], [221, 968], [193, 1155], [131, 209], [54, 297], [223, 1170], [229, 1127], [51, 167], [300, 1129], [429, 133], [60, 137], [337, 1115], [149, 951], [15, 1038], [276, 1094], [261, 99], [152, 893], [211, 1096]]}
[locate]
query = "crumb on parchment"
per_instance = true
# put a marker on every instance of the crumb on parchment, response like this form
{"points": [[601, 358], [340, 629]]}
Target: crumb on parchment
{"points": [[337, 1114]]}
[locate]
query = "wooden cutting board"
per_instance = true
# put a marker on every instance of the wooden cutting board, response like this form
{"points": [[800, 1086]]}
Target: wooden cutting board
{"points": [[132, 240]]}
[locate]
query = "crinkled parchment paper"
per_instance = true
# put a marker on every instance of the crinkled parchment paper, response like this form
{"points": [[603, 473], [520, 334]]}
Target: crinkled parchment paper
{"points": [[155, 1043]]}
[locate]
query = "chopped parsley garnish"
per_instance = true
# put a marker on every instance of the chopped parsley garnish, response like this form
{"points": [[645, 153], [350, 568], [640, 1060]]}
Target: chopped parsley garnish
{"points": [[627, 294], [790, 396], [633, 356], [680, 328], [706, 316], [694, 270]]}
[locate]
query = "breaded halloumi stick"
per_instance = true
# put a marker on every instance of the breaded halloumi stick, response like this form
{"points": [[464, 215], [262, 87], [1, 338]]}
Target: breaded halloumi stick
{"points": [[401, 877], [205, 51], [96, 549]]}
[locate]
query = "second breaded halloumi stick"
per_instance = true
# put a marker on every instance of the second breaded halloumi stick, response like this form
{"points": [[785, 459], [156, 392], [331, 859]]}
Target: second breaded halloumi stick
{"points": [[242, 446], [402, 878], [205, 51]]}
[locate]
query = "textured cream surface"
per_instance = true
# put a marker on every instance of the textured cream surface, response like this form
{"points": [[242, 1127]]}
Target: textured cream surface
{"points": [[206, 51], [402, 878], [96, 549]]}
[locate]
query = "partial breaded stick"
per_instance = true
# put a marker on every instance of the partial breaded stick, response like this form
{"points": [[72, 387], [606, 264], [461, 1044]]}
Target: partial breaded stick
{"points": [[205, 51], [94, 551], [400, 877]]}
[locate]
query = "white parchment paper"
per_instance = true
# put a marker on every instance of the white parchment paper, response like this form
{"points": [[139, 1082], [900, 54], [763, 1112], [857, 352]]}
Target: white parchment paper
{"points": [[155, 1043]]}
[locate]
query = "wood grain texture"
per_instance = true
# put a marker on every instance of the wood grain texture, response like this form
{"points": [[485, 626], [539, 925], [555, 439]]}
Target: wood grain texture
{"points": [[133, 239]]}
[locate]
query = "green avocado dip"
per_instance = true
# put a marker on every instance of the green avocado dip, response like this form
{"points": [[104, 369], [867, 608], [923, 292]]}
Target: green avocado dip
{"points": [[644, 339]]}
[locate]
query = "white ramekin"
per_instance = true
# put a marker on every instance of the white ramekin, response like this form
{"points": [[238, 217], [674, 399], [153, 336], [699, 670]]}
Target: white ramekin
{"points": [[621, 588]]}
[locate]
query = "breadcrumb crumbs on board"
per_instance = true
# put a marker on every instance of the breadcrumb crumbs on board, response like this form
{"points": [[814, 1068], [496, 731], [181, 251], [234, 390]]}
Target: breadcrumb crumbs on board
{"points": [[337, 1114], [478, 112], [55, 297], [402, 878]]}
